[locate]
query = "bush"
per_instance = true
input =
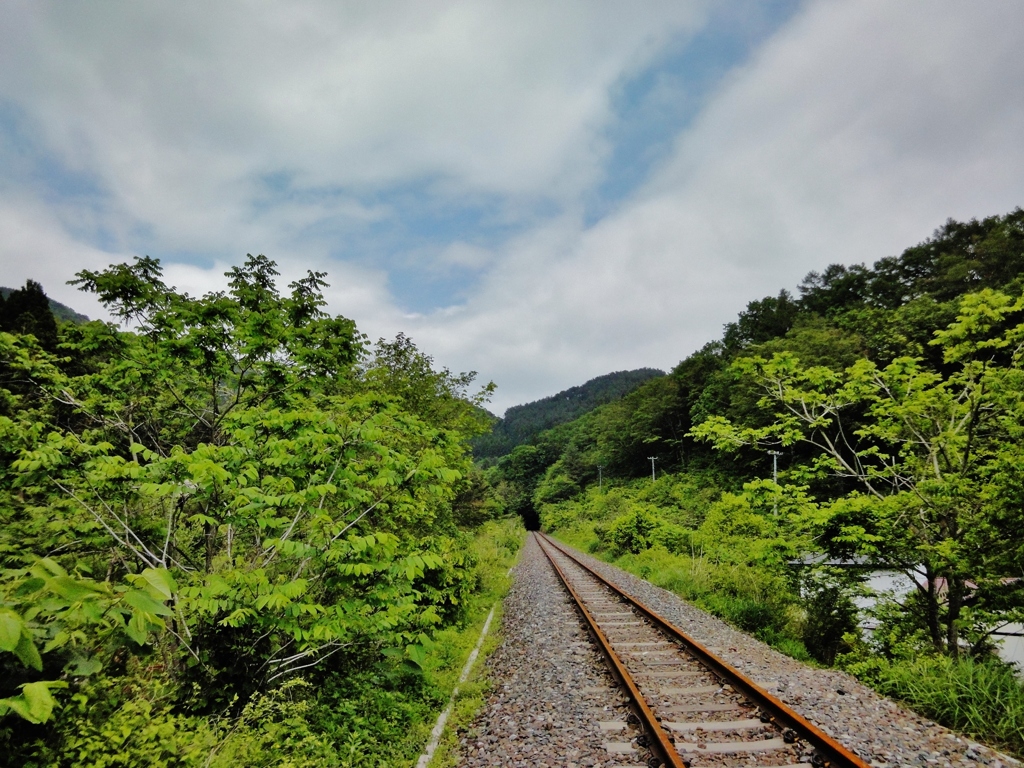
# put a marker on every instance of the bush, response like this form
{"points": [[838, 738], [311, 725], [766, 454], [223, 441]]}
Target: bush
{"points": [[674, 538], [768, 621], [634, 531]]}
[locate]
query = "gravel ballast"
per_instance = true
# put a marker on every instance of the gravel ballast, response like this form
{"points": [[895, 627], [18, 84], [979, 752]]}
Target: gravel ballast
{"points": [[551, 688]]}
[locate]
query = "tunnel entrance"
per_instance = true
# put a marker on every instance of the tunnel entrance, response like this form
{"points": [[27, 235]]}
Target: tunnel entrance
{"points": [[531, 519]]}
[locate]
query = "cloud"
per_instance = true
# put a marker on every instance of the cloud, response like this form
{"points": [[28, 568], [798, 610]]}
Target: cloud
{"points": [[181, 110], [454, 149], [849, 136], [464, 255], [35, 247]]}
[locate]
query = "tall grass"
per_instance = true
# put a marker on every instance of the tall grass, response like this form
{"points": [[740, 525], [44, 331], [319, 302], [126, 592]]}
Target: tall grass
{"points": [[983, 699], [496, 546]]}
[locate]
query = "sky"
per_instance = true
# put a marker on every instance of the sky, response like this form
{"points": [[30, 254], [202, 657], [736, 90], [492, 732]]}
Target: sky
{"points": [[541, 192]]}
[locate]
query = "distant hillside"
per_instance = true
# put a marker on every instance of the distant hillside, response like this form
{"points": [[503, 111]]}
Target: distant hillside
{"points": [[62, 312], [523, 422]]}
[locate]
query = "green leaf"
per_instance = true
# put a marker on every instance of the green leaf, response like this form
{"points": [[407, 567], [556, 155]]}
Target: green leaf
{"points": [[58, 641], [40, 700], [161, 582], [29, 586], [27, 652], [18, 705], [10, 631], [138, 599], [417, 654], [73, 589], [53, 567], [137, 629], [84, 667]]}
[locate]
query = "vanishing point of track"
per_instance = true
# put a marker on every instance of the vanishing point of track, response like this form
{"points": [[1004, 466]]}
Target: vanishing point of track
{"points": [[688, 707]]}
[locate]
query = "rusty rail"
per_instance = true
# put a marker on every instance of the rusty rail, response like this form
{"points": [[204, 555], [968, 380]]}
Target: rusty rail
{"points": [[833, 754], [662, 744]]}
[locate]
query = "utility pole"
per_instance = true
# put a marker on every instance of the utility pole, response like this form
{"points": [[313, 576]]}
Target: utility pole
{"points": [[652, 458], [599, 477], [775, 477]]}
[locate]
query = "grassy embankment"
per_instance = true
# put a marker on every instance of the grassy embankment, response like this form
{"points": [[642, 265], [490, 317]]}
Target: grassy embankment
{"points": [[718, 550], [496, 546], [385, 720], [390, 725]]}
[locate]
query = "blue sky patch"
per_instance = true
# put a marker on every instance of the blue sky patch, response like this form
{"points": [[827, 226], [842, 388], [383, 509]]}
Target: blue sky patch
{"points": [[653, 107]]}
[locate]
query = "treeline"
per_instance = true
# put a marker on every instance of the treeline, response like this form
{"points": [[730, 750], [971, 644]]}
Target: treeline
{"points": [[838, 316], [522, 423], [230, 535]]}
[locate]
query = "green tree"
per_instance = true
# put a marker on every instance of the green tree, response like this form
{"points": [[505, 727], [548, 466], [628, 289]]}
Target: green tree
{"points": [[936, 456], [27, 310], [293, 498]]}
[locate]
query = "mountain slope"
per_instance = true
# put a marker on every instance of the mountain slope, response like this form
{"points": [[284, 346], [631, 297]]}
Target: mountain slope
{"points": [[523, 422], [60, 311]]}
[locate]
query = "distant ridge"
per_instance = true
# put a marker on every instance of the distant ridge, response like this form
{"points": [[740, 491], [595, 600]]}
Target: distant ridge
{"points": [[62, 312], [522, 422]]}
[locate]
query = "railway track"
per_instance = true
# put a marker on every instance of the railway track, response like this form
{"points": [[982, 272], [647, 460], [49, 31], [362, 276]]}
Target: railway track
{"points": [[686, 706]]}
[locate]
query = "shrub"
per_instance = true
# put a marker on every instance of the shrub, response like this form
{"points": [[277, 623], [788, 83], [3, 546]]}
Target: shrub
{"points": [[674, 538], [633, 532]]}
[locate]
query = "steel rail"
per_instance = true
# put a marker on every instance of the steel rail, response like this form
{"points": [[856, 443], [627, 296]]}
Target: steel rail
{"points": [[662, 742], [834, 754]]}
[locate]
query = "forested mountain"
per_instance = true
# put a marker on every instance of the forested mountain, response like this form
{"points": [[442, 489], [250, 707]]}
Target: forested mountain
{"points": [[60, 311], [522, 423], [891, 398], [231, 535]]}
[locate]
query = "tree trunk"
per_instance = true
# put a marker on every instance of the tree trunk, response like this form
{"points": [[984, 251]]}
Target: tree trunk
{"points": [[932, 611], [955, 594], [210, 532]]}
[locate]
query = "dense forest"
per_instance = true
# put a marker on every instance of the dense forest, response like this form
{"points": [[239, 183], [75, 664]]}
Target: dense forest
{"points": [[522, 423], [870, 420], [232, 531]]}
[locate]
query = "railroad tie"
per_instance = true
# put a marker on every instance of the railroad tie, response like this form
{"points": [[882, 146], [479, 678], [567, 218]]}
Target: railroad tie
{"points": [[732, 747]]}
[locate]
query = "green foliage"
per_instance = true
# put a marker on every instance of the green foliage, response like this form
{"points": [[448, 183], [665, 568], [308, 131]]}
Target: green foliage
{"points": [[844, 313], [762, 321], [442, 398], [54, 623], [633, 532], [61, 312], [934, 452], [199, 513], [984, 699], [28, 311], [831, 613], [894, 394], [726, 552]]}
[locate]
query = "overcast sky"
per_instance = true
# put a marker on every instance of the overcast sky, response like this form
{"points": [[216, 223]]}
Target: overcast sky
{"points": [[539, 191]]}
